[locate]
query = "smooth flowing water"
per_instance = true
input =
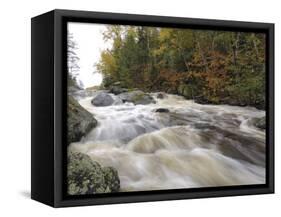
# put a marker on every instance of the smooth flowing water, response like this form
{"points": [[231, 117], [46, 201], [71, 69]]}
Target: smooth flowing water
{"points": [[190, 146]]}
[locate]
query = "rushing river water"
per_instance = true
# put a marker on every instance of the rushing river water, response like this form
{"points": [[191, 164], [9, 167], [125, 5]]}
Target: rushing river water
{"points": [[191, 146]]}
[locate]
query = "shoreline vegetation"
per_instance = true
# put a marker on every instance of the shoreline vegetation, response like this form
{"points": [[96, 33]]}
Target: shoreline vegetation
{"points": [[209, 67]]}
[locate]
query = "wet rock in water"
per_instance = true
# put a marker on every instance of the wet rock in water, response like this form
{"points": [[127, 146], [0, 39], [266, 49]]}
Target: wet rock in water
{"points": [[102, 99], [260, 123], [161, 95], [202, 100], [79, 121], [162, 110], [85, 176], [137, 97], [117, 90]]}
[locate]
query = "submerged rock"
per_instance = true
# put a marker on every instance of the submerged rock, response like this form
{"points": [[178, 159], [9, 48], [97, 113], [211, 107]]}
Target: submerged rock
{"points": [[85, 176], [260, 123], [102, 99], [162, 110], [137, 97], [79, 121], [178, 119]]}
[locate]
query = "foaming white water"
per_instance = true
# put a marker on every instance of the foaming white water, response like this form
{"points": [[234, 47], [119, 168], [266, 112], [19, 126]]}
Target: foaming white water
{"points": [[192, 145]]}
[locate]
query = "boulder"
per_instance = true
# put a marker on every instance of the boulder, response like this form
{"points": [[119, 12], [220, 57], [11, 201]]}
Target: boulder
{"points": [[79, 121], [260, 123], [185, 90], [162, 110], [137, 97], [160, 95], [117, 90], [181, 89], [85, 176], [102, 99], [171, 90], [202, 100], [111, 179]]}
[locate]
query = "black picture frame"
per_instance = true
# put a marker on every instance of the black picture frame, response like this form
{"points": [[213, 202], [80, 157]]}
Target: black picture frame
{"points": [[49, 99]]}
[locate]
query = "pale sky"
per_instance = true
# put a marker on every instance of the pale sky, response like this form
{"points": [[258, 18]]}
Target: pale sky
{"points": [[90, 44]]}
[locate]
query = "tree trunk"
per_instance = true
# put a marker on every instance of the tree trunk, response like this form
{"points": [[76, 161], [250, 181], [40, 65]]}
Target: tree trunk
{"points": [[255, 47], [235, 48], [202, 55]]}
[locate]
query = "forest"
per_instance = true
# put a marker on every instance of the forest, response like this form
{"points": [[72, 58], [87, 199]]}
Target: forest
{"points": [[214, 67]]}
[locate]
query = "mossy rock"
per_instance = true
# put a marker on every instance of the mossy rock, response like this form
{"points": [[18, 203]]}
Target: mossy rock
{"points": [[85, 176], [137, 97], [260, 123], [117, 90], [185, 90]]}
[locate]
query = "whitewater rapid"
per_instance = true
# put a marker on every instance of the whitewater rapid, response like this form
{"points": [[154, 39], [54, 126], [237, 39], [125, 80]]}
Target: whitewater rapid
{"points": [[191, 146]]}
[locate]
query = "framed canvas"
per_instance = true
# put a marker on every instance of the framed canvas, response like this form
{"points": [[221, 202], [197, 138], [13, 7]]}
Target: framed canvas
{"points": [[134, 108]]}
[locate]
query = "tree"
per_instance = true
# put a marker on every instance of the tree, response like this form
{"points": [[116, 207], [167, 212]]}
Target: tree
{"points": [[72, 61]]}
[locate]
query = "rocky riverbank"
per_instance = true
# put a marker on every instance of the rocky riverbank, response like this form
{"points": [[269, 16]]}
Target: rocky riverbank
{"points": [[85, 176], [188, 92]]}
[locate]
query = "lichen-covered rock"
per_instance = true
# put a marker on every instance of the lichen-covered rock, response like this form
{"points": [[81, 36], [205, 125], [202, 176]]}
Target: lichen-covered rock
{"points": [[102, 99], [111, 179], [79, 121], [137, 97], [85, 176]]}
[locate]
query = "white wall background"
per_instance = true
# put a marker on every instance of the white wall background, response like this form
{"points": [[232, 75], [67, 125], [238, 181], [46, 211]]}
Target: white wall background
{"points": [[15, 106]]}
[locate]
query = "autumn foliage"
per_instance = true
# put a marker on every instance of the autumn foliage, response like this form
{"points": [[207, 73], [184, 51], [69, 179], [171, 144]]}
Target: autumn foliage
{"points": [[204, 65]]}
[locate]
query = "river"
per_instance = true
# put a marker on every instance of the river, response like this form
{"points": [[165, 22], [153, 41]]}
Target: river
{"points": [[190, 146]]}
